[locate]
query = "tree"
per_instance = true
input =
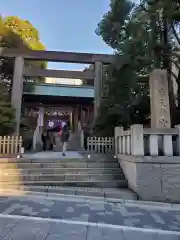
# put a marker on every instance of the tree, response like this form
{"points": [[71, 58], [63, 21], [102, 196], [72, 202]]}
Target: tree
{"points": [[165, 17], [142, 39], [15, 33], [86, 82], [25, 30], [126, 92], [7, 120], [18, 33]]}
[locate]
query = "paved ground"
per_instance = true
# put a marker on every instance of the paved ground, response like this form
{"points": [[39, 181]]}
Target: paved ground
{"points": [[30, 229], [51, 155], [42, 218], [94, 211]]}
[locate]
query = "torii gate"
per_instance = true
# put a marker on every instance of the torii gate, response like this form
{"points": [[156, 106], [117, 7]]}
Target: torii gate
{"points": [[68, 57]]}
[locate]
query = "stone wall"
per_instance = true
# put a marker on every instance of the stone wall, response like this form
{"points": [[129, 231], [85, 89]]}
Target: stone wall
{"points": [[153, 178]]}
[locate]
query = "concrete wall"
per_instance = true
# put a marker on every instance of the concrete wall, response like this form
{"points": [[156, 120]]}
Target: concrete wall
{"points": [[153, 178]]}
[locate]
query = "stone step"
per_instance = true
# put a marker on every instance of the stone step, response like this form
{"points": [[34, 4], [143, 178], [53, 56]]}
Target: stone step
{"points": [[89, 183], [74, 164], [85, 192], [54, 160], [63, 177], [26, 171], [102, 171]]}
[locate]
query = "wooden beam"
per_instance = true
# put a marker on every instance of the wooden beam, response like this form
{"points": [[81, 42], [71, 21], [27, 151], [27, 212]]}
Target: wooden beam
{"points": [[54, 56], [35, 72]]}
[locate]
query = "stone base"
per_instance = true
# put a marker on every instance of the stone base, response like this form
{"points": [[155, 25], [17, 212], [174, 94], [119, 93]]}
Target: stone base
{"points": [[153, 178]]}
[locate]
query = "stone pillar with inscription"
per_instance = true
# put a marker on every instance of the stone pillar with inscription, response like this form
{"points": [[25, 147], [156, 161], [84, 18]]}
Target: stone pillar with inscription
{"points": [[159, 98]]}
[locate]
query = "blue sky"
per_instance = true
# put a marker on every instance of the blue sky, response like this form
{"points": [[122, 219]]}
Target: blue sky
{"points": [[64, 25]]}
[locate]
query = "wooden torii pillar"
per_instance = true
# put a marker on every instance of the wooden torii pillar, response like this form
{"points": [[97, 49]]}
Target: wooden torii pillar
{"points": [[98, 87], [17, 91]]}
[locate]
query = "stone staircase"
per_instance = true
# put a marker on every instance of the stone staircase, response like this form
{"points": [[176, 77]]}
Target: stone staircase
{"points": [[44, 174]]}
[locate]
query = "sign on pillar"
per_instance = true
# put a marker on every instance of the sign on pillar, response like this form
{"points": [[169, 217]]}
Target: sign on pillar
{"points": [[17, 89], [159, 97]]}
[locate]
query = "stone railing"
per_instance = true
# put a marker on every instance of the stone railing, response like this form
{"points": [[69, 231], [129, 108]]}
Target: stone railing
{"points": [[139, 141], [150, 159]]}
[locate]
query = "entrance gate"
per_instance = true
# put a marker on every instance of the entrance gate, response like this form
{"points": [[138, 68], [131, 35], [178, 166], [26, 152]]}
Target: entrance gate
{"points": [[20, 71]]}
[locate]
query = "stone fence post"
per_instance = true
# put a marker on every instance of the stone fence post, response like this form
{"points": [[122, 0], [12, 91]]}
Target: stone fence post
{"points": [[178, 139], [137, 140], [117, 132], [82, 138]]}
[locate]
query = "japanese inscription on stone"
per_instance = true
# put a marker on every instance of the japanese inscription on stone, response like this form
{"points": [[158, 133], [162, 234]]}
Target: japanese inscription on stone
{"points": [[160, 114], [163, 105]]}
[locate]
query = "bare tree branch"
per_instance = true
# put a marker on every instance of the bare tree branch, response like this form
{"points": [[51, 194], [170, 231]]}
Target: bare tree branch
{"points": [[174, 75], [175, 33], [143, 7], [175, 53], [177, 64]]}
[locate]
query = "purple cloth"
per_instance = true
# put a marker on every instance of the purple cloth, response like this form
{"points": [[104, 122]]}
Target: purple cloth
{"points": [[55, 123]]}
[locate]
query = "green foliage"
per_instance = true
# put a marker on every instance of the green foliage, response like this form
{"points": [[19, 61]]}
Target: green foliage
{"points": [[143, 36], [7, 120], [126, 96], [125, 101], [25, 30], [18, 33], [86, 82], [111, 26], [15, 33]]}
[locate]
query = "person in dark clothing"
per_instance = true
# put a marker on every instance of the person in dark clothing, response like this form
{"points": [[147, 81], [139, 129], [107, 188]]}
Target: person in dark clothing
{"points": [[64, 139], [44, 138], [86, 135], [52, 141]]}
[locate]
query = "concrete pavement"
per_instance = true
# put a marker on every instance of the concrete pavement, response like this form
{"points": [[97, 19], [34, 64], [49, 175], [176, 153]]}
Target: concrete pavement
{"points": [[37, 229], [30, 217]]}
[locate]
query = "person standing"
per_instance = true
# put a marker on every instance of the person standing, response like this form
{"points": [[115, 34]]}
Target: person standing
{"points": [[86, 135], [52, 141], [44, 138], [64, 139]]}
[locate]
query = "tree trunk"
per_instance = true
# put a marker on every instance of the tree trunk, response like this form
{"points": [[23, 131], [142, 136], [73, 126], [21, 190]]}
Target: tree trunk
{"points": [[167, 64]]}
